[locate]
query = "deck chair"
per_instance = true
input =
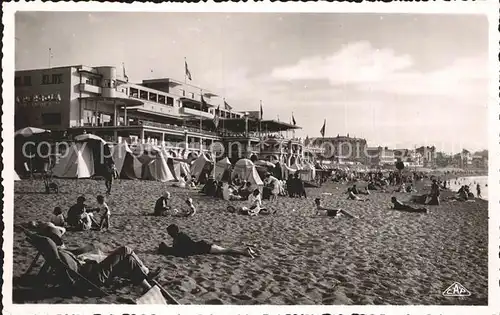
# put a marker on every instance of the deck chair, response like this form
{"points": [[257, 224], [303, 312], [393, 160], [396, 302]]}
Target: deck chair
{"points": [[157, 295], [50, 265]]}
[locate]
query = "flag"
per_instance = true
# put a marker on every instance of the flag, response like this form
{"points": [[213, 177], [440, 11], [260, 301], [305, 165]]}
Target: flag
{"points": [[216, 117], [323, 129], [261, 112], [124, 73], [203, 103], [226, 106], [188, 73], [293, 120], [306, 142]]}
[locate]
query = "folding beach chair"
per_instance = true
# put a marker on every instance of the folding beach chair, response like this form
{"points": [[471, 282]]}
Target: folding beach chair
{"points": [[48, 266]]}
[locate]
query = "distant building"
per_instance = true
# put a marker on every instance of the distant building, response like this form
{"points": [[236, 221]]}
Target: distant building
{"points": [[343, 148], [428, 154], [410, 158], [380, 156], [480, 162]]}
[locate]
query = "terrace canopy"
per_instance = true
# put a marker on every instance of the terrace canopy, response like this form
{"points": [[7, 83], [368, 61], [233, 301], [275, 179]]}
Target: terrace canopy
{"points": [[238, 125]]}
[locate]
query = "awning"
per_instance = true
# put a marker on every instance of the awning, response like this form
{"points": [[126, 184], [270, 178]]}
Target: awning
{"points": [[238, 125], [111, 100]]}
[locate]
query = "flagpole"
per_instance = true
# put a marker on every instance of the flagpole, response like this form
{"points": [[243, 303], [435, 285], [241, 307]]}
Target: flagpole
{"points": [[260, 123], [220, 116], [50, 56], [185, 72]]}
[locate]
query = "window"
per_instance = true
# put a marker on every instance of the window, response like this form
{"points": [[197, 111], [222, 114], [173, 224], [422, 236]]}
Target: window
{"points": [[170, 101], [161, 99], [134, 93], [45, 79], [183, 93], [192, 95], [56, 78], [27, 80], [51, 119], [152, 97], [88, 116], [17, 81], [143, 95]]}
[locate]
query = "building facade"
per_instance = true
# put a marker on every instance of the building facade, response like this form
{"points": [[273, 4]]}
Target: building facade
{"points": [[72, 100], [343, 148]]}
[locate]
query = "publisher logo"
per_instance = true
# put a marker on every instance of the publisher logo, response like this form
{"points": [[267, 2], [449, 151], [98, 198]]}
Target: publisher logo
{"points": [[456, 289]]}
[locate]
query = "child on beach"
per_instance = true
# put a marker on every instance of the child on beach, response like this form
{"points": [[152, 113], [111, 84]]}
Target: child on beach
{"points": [[104, 209], [191, 211], [57, 217], [183, 245], [330, 212]]}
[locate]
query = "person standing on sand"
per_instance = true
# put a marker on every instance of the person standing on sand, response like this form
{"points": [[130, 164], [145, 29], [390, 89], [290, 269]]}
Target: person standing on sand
{"points": [[183, 246], [478, 191], [109, 173]]}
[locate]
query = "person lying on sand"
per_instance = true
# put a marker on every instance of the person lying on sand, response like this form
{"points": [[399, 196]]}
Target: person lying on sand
{"points": [[330, 212], [254, 206], [398, 205], [183, 245], [162, 205], [122, 262]]}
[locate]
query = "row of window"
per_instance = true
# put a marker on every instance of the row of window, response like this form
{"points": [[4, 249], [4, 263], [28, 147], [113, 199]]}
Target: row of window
{"points": [[46, 79], [152, 97]]}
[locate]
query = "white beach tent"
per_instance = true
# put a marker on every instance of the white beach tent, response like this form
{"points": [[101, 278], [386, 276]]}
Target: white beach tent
{"points": [[16, 177], [77, 162], [126, 163], [198, 165], [245, 169], [154, 163], [221, 167]]}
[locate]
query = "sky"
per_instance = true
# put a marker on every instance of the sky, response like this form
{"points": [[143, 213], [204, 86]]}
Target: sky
{"points": [[397, 80]]}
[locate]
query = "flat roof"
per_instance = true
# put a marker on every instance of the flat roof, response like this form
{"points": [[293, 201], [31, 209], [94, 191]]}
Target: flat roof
{"points": [[238, 124]]}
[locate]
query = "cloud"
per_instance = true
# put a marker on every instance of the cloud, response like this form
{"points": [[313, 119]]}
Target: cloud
{"points": [[384, 70]]}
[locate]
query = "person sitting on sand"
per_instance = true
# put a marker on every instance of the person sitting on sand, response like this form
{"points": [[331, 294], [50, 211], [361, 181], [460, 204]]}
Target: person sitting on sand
{"points": [[191, 211], [398, 205], [228, 193], [57, 217], [162, 205], [79, 217], [183, 246], [272, 187], [246, 191], [122, 262], [330, 212], [410, 189], [371, 186], [254, 206]]}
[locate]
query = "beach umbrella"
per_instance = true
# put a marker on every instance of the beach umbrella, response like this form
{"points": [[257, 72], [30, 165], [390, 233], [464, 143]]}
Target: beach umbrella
{"points": [[263, 163], [88, 137], [30, 131]]}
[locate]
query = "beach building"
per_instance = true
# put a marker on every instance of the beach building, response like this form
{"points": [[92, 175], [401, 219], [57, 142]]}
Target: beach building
{"points": [[410, 158], [184, 118]]}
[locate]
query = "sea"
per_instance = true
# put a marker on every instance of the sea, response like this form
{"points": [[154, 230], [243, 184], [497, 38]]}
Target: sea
{"points": [[472, 181]]}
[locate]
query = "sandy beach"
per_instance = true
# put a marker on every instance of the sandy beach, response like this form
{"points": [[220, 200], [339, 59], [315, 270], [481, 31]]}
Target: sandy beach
{"points": [[385, 257]]}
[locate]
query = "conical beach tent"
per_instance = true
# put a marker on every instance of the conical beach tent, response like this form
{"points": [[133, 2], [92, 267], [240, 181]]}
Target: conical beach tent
{"points": [[77, 162], [245, 169], [16, 177], [221, 167], [200, 165], [126, 163], [157, 169]]}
